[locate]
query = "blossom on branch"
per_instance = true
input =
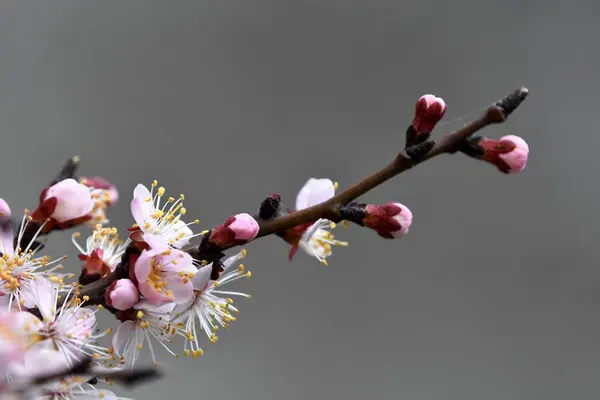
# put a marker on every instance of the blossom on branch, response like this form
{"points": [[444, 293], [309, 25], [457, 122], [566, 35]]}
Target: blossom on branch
{"points": [[104, 194], [69, 328], [313, 237], [102, 252], [163, 219], [19, 266], [164, 274], [209, 309], [145, 324]]}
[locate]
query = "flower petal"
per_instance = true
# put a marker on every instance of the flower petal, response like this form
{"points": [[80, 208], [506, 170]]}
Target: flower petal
{"points": [[314, 191], [156, 242], [41, 294], [122, 335], [200, 280]]}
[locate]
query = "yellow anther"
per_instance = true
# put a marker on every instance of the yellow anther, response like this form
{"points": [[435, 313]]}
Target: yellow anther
{"points": [[154, 183], [161, 191], [140, 315], [248, 274], [335, 185], [186, 353], [140, 346], [182, 211]]}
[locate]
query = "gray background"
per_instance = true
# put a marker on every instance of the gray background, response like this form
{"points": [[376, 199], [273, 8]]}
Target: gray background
{"points": [[492, 295]]}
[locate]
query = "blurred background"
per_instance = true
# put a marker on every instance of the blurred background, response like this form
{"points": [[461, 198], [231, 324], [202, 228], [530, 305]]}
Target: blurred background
{"points": [[493, 294]]}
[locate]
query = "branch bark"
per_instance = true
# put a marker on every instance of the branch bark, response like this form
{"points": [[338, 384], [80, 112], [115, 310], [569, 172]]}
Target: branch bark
{"points": [[405, 160]]}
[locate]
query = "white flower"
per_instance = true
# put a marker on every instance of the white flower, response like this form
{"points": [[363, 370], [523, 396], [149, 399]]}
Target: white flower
{"points": [[161, 220], [105, 244], [208, 309], [19, 266], [43, 362], [68, 328], [316, 240], [149, 324]]}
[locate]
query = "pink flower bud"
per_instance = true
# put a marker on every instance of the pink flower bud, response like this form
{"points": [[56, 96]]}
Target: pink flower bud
{"points": [[67, 200], [509, 154], [122, 294], [391, 220], [245, 227], [237, 230], [429, 110]]}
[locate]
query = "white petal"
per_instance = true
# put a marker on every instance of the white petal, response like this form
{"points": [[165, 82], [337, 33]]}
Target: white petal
{"points": [[122, 335], [314, 191], [200, 280], [159, 309], [42, 294], [141, 192]]}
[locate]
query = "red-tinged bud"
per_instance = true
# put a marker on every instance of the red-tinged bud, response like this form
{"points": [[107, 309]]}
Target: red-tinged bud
{"points": [[509, 154], [65, 204], [429, 110], [238, 229], [391, 220], [122, 295]]}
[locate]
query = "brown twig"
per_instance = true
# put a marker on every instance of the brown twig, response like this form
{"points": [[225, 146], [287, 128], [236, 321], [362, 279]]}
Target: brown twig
{"points": [[405, 160]]}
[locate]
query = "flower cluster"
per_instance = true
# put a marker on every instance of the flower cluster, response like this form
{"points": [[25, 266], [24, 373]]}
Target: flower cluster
{"points": [[45, 324], [159, 286]]}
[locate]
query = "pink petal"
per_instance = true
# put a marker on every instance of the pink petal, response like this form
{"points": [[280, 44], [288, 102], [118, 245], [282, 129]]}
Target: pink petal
{"points": [[182, 292], [156, 242], [154, 308], [151, 294], [137, 212], [314, 191], [143, 266]]}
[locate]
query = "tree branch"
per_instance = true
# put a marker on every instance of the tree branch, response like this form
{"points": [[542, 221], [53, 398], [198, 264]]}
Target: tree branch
{"points": [[495, 114], [405, 160]]}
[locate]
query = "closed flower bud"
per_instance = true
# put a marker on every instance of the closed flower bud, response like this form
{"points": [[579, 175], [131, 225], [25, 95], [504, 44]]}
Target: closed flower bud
{"points": [[391, 220], [509, 154], [122, 294], [429, 110], [65, 201], [238, 229]]}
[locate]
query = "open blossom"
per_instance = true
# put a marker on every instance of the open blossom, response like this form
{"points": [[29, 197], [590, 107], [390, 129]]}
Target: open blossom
{"points": [[211, 307], [42, 362], [164, 274], [102, 252], [160, 219], [314, 238], [19, 265], [144, 325], [391, 220], [68, 328], [236, 230], [104, 194]]}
